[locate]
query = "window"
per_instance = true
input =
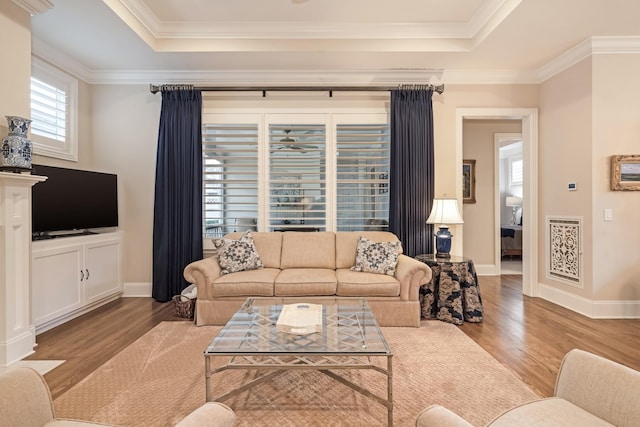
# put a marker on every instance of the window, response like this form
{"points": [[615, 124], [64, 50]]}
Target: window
{"points": [[362, 177], [230, 178], [284, 170], [515, 172], [297, 177], [53, 111]]}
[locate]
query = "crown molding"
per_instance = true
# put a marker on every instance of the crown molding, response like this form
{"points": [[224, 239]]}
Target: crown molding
{"points": [[587, 48], [489, 15], [271, 77], [141, 18], [34, 7], [489, 77], [60, 59]]}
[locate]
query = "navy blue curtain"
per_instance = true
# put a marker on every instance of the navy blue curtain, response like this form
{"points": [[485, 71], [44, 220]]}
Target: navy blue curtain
{"points": [[411, 175], [177, 211]]}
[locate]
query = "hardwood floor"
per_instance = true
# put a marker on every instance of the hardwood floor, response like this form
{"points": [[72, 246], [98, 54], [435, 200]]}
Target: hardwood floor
{"points": [[529, 335]]}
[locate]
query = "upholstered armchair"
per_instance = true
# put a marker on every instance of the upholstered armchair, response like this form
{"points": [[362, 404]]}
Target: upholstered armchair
{"points": [[590, 391], [25, 401]]}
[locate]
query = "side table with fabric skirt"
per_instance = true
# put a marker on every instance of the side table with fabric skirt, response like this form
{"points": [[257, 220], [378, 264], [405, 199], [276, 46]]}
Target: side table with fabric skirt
{"points": [[453, 294]]}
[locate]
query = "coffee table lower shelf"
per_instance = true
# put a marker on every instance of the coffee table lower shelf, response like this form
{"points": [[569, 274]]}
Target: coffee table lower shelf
{"points": [[324, 363]]}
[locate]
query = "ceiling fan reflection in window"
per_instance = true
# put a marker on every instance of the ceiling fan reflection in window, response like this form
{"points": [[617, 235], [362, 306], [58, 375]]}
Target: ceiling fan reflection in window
{"points": [[290, 143]]}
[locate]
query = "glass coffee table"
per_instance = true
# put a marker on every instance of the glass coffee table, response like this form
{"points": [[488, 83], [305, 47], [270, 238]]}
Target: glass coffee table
{"points": [[350, 339]]}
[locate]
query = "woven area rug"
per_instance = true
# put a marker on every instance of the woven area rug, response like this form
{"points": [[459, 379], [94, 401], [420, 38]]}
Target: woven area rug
{"points": [[159, 379]]}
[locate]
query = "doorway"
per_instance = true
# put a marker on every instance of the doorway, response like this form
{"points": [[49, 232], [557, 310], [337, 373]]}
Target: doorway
{"points": [[509, 181], [529, 118]]}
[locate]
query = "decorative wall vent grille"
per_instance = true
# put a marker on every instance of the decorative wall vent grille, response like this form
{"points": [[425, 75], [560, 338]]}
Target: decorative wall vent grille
{"points": [[564, 254]]}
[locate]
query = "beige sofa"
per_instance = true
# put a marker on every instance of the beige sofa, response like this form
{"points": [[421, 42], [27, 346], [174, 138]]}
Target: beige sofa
{"points": [[590, 391], [25, 400], [305, 266]]}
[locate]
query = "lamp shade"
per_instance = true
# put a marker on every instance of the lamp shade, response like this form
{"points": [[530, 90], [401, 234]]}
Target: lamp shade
{"points": [[445, 211], [514, 201]]}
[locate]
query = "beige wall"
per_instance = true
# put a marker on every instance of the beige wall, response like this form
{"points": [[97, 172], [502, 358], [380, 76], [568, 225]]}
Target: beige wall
{"points": [[565, 156], [125, 136], [15, 72], [616, 130], [479, 218], [444, 118]]}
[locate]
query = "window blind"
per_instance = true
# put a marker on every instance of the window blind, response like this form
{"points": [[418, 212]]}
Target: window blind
{"points": [[362, 178], [230, 178], [48, 110], [297, 177]]}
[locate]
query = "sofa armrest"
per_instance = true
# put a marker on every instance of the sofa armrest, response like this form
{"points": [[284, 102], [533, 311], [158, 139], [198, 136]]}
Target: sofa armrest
{"points": [[411, 274], [213, 414], [439, 416], [604, 388], [202, 273], [24, 398]]}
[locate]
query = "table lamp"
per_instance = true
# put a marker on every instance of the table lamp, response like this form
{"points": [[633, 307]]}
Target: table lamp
{"points": [[444, 212], [514, 203]]}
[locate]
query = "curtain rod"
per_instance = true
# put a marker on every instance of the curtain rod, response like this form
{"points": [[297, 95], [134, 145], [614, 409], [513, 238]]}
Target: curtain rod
{"points": [[160, 88]]}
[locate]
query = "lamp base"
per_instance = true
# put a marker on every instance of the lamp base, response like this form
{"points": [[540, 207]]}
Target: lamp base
{"points": [[443, 242]]}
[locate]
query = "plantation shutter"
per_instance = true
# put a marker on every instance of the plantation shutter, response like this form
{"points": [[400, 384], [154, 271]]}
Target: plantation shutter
{"points": [[362, 177], [297, 177], [230, 178], [48, 110]]}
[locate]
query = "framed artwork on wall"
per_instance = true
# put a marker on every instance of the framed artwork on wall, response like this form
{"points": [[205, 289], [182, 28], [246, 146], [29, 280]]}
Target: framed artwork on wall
{"points": [[625, 172], [468, 181]]}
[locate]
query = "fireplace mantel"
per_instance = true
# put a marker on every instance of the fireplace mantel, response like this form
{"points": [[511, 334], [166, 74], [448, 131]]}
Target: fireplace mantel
{"points": [[17, 332]]}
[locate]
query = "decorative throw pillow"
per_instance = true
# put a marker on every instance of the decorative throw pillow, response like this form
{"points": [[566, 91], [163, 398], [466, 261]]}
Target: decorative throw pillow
{"points": [[376, 257], [239, 255]]}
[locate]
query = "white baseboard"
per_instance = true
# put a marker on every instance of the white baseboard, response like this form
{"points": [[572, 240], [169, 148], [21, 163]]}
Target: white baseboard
{"points": [[137, 289], [486, 270], [590, 308]]}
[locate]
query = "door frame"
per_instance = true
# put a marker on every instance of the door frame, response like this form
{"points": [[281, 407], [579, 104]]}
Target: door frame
{"points": [[529, 118]]}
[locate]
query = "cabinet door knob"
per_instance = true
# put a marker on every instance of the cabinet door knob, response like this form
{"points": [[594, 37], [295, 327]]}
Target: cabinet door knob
{"points": [[87, 270], [81, 275]]}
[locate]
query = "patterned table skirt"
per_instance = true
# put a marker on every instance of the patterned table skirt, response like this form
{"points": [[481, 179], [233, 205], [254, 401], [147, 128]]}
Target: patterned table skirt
{"points": [[453, 294]]}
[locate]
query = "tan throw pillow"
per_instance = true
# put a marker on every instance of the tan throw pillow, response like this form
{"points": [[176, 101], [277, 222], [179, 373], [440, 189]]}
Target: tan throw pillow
{"points": [[376, 257], [238, 255]]}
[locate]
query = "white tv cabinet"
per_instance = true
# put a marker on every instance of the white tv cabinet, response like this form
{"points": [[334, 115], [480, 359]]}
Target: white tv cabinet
{"points": [[71, 276]]}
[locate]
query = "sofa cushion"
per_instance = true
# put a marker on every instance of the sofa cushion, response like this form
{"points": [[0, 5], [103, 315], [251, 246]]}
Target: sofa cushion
{"points": [[305, 281], [548, 412], [356, 284], [308, 250], [347, 242], [246, 283], [239, 255], [376, 257], [268, 245]]}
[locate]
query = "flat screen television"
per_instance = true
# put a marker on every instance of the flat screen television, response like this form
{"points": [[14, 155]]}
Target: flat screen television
{"points": [[72, 200]]}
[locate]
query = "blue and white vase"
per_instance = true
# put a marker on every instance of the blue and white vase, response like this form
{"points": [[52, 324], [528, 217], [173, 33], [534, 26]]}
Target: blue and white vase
{"points": [[16, 151]]}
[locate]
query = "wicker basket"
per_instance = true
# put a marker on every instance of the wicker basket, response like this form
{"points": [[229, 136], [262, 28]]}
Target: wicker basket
{"points": [[184, 308]]}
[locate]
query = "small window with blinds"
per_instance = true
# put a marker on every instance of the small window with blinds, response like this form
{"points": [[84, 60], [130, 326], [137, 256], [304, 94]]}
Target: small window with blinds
{"points": [[516, 172], [230, 178], [53, 112], [48, 110], [362, 181], [297, 177]]}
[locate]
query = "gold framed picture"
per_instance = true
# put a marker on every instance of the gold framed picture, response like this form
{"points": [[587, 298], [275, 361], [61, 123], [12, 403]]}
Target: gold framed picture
{"points": [[625, 172], [468, 181]]}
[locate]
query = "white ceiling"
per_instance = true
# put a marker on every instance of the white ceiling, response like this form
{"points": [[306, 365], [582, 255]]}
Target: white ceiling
{"points": [[328, 41]]}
